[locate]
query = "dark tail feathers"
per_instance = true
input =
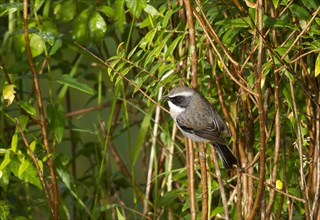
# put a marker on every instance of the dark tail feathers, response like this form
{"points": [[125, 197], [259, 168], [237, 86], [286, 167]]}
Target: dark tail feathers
{"points": [[226, 155]]}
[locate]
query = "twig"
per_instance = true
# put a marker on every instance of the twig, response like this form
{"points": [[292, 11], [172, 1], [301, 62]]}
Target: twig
{"points": [[220, 182], [315, 14], [206, 25], [55, 197], [204, 183], [299, 143], [152, 156], [275, 189], [124, 77], [35, 161], [170, 165], [221, 58], [192, 38], [258, 76], [190, 170], [277, 141]]}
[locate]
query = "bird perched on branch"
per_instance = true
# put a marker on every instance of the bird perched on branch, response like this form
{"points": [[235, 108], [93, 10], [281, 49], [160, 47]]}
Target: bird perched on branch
{"points": [[198, 120]]}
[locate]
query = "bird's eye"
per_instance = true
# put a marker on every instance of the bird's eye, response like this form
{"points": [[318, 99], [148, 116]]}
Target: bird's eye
{"points": [[178, 98]]}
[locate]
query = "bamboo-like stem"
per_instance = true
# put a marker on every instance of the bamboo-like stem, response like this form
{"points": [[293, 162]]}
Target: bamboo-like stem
{"points": [[170, 164], [192, 46], [316, 204], [54, 188], [204, 183], [299, 145], [152, 156], [259, 100], [220, 182], [190, 171], [277, 142]]}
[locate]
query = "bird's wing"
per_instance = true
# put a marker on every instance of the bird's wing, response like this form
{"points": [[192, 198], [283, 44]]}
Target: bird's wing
{"points": [[211, 133]]}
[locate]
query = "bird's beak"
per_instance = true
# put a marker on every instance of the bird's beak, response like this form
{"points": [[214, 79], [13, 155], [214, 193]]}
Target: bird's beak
{"points": [[165, 98]]}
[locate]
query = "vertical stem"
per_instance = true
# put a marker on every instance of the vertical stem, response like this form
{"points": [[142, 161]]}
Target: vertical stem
{"points": [[192, 38], [277, 143], [204, 183], [190, 170], [299, 143], [259, 100], [54, 187], [315, 208], [220, 182]]}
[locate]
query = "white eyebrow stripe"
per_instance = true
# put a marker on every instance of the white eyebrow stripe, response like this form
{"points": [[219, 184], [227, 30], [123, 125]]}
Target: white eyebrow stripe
{"points": [[184, 93]]}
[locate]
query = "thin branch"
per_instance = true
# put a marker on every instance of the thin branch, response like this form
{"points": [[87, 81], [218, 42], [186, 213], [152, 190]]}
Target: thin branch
{"points": [[35, 161], [225, 67], [193, 46], [258, 76], [191, 186], [220, 182], [124, 77], [204, 179], [151, 171], [299, 144], [55, 197], [315, 207], [315, 14]]}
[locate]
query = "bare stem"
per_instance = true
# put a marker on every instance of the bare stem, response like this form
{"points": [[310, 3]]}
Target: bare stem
{"points": [[54, 187]]}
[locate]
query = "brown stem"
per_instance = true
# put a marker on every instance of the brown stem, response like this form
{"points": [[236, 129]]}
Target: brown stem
{"points": [[315, 208], [54, 187], [191, 185], [259, 101], [192, 39], [220, 182], [35, 161], [299, 144], [204, 183]]}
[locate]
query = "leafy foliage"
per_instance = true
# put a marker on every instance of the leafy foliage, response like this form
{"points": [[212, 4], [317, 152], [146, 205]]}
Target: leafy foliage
{"points": [[111, 61]]}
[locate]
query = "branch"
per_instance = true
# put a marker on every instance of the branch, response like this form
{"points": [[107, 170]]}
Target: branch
{"points": [[55, 197], [192, 38], [258, 75]]}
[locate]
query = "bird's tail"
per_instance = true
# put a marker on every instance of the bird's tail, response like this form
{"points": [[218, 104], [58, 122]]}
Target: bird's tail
{"points": [[225, 154]]}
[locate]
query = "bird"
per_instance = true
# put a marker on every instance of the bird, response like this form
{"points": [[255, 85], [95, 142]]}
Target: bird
{"points": [[198, 120]]}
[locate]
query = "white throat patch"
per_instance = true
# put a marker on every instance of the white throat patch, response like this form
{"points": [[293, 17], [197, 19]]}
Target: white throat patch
{"points": [[175, 110]]}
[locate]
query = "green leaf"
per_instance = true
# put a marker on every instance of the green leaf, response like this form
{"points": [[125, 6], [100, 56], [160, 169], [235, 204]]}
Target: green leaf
{"points": [[14, 142], [72, 82], [32, 146], [68, 180], [23, 121], [56, 46], [310, 4], [9, 8], [119, 215], [6, 160], [80, 30], [173, 46], [136, 6], [317, 66], [120, 14], [108, 11], [37, 45], [23, 167], [237, 22], [28, 108], [151, 10], [97, 27], [300, 12], [56, 120], [30, 175], [65, 10]]}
